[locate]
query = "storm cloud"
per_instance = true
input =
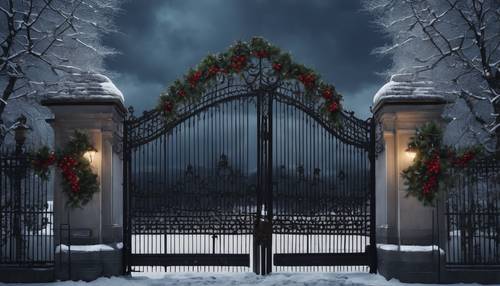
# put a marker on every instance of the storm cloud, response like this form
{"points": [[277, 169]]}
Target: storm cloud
{"points": [[160, 40]]}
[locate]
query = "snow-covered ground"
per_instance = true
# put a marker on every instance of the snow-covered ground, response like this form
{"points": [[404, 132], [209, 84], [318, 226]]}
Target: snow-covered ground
{"points": [[208, 279]]}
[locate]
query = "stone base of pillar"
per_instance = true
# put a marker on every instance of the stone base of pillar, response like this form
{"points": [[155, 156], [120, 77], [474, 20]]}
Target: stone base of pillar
{"points": [[410, 266], [89, 262], [424, 264]]}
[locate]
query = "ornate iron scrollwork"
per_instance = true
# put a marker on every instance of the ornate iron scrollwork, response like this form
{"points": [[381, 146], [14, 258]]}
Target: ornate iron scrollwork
{"points": [[198, 203], [379, 138]]}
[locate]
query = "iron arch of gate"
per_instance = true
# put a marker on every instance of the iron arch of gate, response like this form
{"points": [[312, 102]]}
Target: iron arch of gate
{"points": [[252, 176]]}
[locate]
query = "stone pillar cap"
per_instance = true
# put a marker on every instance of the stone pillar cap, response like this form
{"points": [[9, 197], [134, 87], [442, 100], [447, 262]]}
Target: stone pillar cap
{"points": [[407, 88], [84, 87]]}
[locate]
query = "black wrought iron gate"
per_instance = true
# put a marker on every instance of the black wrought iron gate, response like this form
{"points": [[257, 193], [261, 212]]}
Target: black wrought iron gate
{"points": [[252, 177]]}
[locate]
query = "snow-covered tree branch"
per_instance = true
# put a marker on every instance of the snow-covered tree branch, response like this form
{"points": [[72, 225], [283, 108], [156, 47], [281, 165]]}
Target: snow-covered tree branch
{"points": [[456, 43], [41, 40]]}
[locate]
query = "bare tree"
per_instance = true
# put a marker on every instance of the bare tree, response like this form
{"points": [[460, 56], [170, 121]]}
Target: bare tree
{"points": [[43, 39], [455, 42]]}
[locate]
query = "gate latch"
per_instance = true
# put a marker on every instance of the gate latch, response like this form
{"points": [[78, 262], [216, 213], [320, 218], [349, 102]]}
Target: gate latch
{"points": [[263, 231]]}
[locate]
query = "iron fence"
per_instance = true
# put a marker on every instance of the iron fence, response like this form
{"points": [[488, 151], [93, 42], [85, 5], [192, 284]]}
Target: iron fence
{"points": [[473, 215], [26, 214]]}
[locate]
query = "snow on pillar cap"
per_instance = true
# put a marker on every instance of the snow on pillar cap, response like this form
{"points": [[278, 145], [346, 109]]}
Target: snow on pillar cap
{"points": [[84, 87], [404, 88]]}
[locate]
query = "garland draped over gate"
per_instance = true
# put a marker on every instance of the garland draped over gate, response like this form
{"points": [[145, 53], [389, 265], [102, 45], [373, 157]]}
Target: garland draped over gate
{"points": [[243, 58]]}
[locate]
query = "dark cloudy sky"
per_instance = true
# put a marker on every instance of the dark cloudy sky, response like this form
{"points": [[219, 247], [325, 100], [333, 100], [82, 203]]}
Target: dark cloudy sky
{"points": [[160, 40]]}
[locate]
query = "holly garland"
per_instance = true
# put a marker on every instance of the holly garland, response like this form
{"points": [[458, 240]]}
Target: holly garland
{"points": [[429, 172], [42, 160], [79, 181], [236, 60]]}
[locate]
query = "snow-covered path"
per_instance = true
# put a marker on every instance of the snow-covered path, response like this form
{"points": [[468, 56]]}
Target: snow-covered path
{"points": [[208, 279]]}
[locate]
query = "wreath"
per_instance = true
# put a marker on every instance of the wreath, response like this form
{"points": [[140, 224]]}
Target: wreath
{"points": [[79, 181], [236, 60], [429, 172]]}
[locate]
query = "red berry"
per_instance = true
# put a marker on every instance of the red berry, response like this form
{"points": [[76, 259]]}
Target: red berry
{"points": [[213, 70], [261, 54], [307, 80], [194, 78], [277, 67], [327, 93], [168, 106], [238, 62], [333, 107]]}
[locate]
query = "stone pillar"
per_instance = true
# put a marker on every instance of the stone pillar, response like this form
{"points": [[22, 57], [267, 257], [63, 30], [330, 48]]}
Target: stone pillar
{"points": [[100, 221], [401, 219], [400, 107]]}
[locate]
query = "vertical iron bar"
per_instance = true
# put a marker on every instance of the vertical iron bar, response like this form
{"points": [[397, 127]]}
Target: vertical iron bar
{"points": [[256, 240], [373, 243], [270, 188], [126, 219]]}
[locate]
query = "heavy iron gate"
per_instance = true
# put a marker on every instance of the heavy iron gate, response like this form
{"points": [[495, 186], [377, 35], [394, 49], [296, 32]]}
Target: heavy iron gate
{"points": [[250, 177]]}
